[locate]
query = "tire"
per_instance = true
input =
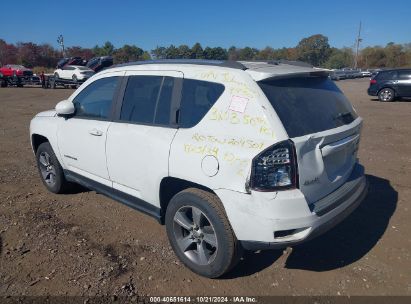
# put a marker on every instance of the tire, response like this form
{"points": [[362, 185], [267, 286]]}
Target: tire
{"points": [[56, 75], [386, 95], [209, 233], [51, 172], [74, 77]]}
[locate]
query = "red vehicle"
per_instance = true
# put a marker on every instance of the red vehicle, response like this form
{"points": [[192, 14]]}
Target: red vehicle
{"points": [[15, 70]]}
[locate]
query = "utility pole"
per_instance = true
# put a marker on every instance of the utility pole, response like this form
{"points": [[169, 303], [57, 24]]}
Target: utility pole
{"points": [[357, 47], [60, 40]]}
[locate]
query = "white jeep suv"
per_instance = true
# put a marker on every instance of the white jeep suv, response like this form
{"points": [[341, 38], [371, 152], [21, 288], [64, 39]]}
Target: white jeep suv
{"points": [[228, 155]]}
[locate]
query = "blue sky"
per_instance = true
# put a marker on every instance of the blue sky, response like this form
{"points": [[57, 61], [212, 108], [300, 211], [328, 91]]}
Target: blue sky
{"points": [[212, 23]]}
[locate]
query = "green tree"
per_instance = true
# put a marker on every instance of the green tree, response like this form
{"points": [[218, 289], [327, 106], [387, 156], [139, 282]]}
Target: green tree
{"points": [[395, 55], [247, 53], [314, 50], [184, 51], [128, 53], [159, 52], [233, 53], [197, 51], [78, 51], [373, 57], [106, 50], [171, 52], [340, 58]]}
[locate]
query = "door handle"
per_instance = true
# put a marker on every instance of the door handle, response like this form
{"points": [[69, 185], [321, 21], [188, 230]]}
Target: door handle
{"points": [[95, 132]]}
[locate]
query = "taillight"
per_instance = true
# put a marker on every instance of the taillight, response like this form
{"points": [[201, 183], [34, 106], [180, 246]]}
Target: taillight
{"points": [[275, 168], [373, 81]]}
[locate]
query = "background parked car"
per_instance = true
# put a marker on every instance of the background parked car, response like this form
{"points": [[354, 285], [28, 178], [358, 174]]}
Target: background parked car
{"points": [[366, 73], [99, 63], [391, 84], [334, 76], [15, 70], [74, 72], [340, 74], [70, 61]]}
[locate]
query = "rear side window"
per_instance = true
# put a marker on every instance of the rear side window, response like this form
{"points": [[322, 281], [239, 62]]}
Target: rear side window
{"points": [[96, 99], [147, 100], [197, 99], [308, 105], [386, 75], [404, 74]]}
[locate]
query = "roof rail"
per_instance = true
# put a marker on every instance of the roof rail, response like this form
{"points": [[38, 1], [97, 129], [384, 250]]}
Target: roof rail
{"points": [[290, 62], [221, 63]]}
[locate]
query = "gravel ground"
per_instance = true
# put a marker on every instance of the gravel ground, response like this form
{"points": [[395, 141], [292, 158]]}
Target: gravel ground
{"points": [[84, 244]]}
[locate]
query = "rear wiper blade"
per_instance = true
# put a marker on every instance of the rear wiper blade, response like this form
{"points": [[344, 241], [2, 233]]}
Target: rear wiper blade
{"points": [[342, 115], [345, 118]]}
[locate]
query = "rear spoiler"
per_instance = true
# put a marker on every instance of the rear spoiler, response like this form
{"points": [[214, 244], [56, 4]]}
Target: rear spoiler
{"points": [[313, 73]]}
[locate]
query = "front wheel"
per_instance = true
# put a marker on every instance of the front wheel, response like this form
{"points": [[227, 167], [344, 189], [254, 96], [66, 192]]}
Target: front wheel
{"points": [[74, 77], [386, 95], [200, 233], [50, 170]]}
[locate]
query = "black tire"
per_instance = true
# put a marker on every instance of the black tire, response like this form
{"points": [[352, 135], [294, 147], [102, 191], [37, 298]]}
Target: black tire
{"points": [[220, 258], [56, 75], [74, 77], [59, 184], [386, 95]]}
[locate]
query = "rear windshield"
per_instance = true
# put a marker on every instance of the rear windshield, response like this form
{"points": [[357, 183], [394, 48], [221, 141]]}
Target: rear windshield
{"points": [[308, 105]]}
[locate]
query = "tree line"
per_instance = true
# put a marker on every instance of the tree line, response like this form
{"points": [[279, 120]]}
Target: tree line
{"points": [[315, 50]]}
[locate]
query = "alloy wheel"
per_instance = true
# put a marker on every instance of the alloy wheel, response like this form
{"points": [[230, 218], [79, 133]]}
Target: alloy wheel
{"points": [[386, 95], [47, 169], [195, 235]]}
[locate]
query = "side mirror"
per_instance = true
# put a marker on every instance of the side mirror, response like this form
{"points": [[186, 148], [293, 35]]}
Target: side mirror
{"points": [[65, 107]]}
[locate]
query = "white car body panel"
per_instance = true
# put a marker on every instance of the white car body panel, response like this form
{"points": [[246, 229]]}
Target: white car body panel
{"points": [[90, 135], [217, 135], [143, 163]]}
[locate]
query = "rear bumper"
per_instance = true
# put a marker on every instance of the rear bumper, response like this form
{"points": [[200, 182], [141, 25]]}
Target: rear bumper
{"points": [[372, 91], [290, 222]]}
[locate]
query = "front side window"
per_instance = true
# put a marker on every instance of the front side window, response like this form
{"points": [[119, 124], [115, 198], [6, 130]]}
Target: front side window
{"points": [[147, 100], [96, 99], [197, 99]]}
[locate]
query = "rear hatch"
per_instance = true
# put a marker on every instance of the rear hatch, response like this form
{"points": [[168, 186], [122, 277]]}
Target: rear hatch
{"points": [[323, 126]]}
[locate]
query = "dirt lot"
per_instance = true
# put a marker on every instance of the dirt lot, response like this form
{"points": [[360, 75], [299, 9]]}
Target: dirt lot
{"points": [[86, 244]]}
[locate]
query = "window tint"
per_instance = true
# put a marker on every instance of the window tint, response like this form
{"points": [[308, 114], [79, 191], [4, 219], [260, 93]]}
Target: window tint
{"points": [[404, 74], [385, 75], [162, 115], [197, 99], [308, 105], [96, 99], [147, 100]]}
